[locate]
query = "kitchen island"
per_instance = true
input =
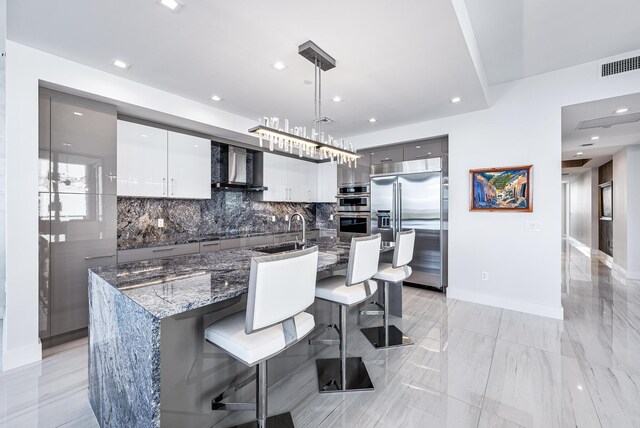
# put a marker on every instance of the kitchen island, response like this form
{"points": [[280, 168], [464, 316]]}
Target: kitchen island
{"points": [[149, 364]]}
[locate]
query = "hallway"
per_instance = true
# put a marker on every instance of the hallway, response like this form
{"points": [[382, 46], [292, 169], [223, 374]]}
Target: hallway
{"points": [[602, 319]]}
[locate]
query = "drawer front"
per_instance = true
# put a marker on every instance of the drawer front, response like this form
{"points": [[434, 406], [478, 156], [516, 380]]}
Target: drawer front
{"points": [[328, 233], [260, 240], [313, 234], [227, 244], [138, 254], [210, 246]]}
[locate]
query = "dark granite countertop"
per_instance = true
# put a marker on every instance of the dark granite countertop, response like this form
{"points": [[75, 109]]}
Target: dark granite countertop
{"points": [[170, 286], [130, 244]]}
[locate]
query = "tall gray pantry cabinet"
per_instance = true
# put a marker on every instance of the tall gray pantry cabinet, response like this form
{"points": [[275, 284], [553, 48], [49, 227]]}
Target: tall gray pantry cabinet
{"points": [[77, 208]]}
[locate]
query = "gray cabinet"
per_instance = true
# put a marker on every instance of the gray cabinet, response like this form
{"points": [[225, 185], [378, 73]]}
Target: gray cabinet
{"points": [[76, 207], [422, 150], [83, 236], [395, 154], [83, 151], [159, 252], [355, 174]]}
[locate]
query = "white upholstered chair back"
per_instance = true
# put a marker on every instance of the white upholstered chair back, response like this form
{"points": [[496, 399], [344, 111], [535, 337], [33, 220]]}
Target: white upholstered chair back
{"points": [[363, 259], [403, 253], [280, 287]]}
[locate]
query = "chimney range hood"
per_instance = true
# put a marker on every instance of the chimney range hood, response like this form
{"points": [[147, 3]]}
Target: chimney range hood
{"points": [[232, 170]]}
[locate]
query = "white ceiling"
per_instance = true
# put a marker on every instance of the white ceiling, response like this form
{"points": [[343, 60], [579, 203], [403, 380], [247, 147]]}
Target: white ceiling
{"points": [[398, 64], [611, 139], [521, 38]]}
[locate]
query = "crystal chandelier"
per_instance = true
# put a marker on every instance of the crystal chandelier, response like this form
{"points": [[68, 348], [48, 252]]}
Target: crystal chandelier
{"points": [[296, 139]]}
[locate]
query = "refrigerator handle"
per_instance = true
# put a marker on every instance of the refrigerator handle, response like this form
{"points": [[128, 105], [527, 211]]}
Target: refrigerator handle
{"points": [[399, 207], [394, 211]]}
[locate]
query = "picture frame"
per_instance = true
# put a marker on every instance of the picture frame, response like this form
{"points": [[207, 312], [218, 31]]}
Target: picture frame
{"points": [[606, 201], [504, 189]]}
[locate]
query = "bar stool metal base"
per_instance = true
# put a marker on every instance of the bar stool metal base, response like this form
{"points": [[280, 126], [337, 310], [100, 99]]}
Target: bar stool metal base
{"points": [[283, 420], [357, 376], [380, 339]]}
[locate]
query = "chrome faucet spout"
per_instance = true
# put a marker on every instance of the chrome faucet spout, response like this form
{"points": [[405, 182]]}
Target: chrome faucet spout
{"points": [[303, 242]]}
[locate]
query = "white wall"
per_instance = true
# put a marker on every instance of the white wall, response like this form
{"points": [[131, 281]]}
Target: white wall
{"points": [[580, 207], [626, 211], [3, 140], [620, 177], [25, 67], [633, 212], [522, 126]]}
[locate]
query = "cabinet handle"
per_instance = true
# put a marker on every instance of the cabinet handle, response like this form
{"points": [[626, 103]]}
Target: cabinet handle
{"points": [[173, 186], [386, 160], [211, 245], [99, 257], [158, 250], [164, 186]]}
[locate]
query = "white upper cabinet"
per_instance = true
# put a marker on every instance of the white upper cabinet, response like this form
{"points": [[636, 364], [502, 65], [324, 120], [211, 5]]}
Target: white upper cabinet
{"points": [[156, 163], [327, 182], [142, 160], [274, 176], [189, 166], [293, 180], [312, 181]]}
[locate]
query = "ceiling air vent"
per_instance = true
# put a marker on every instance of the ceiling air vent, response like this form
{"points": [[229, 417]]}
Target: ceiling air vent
{"points": [[608, 122], [621, 66]]}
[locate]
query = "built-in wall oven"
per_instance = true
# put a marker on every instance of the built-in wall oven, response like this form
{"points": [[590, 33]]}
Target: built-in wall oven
{"points": [[353, 224], [354, 210]]}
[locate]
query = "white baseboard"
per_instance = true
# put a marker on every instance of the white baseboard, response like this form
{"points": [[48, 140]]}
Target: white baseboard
{"points": [[14, 358], [556, 312], [583, 248], [633, 275]]}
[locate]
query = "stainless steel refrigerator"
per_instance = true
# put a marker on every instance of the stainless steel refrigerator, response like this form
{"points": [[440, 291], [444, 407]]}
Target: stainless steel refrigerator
{"points": [[411, 195]]}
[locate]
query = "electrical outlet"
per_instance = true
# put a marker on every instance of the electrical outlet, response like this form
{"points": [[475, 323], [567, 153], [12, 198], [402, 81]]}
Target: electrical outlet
{"points": [[160, 222], [485, 276], [273, 218], [331, 217], [286, 218]]}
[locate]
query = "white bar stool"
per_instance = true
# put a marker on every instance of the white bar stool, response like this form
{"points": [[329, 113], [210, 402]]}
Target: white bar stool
{"points": [[348, 374], [281, 287], [387, 336]]}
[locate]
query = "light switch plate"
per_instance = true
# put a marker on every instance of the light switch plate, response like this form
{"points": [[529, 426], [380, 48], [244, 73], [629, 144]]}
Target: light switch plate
{"points": [[160, 222], [533, 226], [273, 218]]}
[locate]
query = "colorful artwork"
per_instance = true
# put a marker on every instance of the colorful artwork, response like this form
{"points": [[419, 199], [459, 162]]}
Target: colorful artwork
{"points": [[501, 189]]}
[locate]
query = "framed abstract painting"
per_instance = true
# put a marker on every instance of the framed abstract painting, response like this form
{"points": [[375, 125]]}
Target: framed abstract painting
{"points": [[501, 189]]}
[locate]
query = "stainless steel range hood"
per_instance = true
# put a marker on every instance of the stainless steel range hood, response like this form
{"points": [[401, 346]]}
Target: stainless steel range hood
{"points": [[233, 170]]}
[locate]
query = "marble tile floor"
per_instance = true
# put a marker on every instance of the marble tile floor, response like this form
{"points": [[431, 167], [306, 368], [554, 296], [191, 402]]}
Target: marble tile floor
{"points": [[471, 366]]}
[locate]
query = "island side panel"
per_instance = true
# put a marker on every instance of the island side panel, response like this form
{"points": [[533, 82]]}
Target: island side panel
{"points": [[124, 359]]}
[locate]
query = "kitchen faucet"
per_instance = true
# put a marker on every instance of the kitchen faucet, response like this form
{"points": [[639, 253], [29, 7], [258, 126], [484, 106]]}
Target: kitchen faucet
{"points": [[304, 232]]}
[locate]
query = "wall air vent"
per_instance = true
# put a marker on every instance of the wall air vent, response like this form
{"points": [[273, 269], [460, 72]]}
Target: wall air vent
{"points": [[621, 66], [608, 122]]}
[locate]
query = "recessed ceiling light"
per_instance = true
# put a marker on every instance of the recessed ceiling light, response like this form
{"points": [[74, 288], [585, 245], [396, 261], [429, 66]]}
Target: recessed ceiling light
{"points": [[279, 66], [428, 153], [336, 99], [77, 113], [579, 154], [216, 98], [120, 64], [456, 99], [172, 5], [622, 110], [417, 147], [372, 120], [144, 135], [595, 137]]}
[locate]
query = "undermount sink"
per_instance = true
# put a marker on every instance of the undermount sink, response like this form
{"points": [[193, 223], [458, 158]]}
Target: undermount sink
{"points": [[280, 248]]}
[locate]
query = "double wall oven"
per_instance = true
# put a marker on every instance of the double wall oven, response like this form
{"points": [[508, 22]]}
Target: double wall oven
{"points": [[354, 210]]}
